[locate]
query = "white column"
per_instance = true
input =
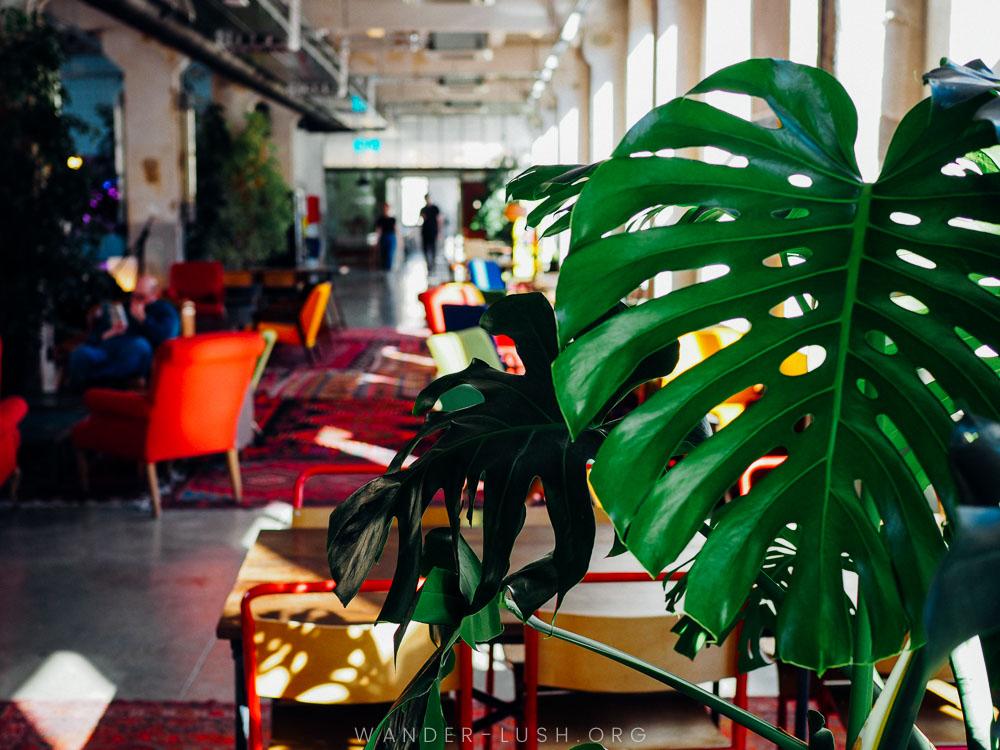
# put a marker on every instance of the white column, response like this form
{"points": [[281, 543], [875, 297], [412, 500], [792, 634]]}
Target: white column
{"points": [[571, 89], [604, 49], [905, 53], [154, 142], [680, 40], [640, 65], [236, 100], [770, 34], [284, 124]]}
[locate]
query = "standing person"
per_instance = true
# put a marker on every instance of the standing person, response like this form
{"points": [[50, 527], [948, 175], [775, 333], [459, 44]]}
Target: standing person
{"points": [[430, 227], [385, 225], [121, 344]]}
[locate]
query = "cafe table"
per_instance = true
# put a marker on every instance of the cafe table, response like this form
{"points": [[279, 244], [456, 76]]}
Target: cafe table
{"points": [[299, 555]]}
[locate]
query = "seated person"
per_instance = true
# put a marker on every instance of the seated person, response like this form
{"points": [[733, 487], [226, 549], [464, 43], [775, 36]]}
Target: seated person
{"points": [[121, 344]]}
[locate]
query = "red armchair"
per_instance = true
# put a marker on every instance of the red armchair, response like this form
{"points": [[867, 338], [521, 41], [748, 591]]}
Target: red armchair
{"points": [[191, 409], [200, 281], [12, 411]]}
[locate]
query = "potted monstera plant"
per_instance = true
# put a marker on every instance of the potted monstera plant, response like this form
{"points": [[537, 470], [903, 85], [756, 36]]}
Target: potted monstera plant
{"points": [[890, 287]]}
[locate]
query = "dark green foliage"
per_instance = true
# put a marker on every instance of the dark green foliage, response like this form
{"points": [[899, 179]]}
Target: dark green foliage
{"points": [[243, 208], [46, 269], [795, 222]]}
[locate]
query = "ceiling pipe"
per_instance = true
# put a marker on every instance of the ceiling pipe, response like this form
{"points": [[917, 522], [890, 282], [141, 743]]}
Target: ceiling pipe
{"points": [[140, 16]]}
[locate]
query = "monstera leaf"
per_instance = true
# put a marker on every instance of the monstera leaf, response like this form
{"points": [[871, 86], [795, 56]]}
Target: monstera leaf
{"points": [[512, 436], [886, 287]]}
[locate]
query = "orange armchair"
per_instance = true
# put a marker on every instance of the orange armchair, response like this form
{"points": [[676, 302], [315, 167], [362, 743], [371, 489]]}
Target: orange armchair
{"points": [[452, 293], [305, 330], [12, 411], [191, 409], [202, 282]]}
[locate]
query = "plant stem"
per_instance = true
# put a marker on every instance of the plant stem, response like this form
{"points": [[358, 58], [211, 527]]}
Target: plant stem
{"points": [[738, 715], [862, 686]]}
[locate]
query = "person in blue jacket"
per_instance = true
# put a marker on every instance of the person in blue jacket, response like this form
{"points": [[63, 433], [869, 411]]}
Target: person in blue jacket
{"points": [[120, 347]]}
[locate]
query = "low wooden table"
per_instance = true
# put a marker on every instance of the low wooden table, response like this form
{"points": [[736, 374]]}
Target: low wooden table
{"points": [[299, 554]]}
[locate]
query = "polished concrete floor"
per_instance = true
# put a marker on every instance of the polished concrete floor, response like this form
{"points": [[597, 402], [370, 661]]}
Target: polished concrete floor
{"points": [[100, 601]]}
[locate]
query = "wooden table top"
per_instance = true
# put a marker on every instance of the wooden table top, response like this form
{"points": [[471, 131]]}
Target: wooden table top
{"points": [[299, 554]]}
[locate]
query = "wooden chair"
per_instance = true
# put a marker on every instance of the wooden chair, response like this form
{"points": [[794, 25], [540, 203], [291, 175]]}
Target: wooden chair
{"points": [[304, 331], [191, 409], [628, 616], [349, 664]]}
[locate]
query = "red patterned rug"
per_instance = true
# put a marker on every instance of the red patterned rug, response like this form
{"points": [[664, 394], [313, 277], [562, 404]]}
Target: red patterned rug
{"points": [[358, 363], [354, 405], [135, 725], [302, 433]]}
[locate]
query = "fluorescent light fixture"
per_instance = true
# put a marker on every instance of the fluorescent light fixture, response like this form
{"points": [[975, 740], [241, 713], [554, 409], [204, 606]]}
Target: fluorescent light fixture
{"points": [[572, 26], [376, 32], [546, 75], [551, 62]]}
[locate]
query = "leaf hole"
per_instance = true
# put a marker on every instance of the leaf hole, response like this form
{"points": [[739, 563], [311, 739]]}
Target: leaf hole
{"points": [[960, 168], [803, 361], [795, 307], [908, 256], [881, 342], [866, 388], [938, 391], [793, 257], [803, 423], [901, 217], [975, 225], [990, 283], [908, 302], [800, 180], [895, 437], [790, 213]]}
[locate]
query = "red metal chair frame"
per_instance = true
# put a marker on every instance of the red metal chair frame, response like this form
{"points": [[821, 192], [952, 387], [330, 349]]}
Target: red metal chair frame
{"points": [[299, 490], [530, 716], [248, 629]]}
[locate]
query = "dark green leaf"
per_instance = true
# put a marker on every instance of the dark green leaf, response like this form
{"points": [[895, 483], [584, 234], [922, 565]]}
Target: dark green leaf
{"points": [[852, 482]]}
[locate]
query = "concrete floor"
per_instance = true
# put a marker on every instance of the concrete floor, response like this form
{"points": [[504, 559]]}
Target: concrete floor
{"points": [[101, 601]]}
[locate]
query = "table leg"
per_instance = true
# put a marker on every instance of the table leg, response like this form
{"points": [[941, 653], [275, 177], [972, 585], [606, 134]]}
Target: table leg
{"points": [[242, 712]]}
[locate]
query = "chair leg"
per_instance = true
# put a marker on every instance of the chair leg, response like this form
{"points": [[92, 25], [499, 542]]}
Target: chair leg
{"points": [[154, 488], [15, 483], [233, 459], [83, 470]]}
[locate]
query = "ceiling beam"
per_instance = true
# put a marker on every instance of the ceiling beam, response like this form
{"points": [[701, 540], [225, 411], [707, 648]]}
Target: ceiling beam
{"points": [[343, 17], [508, 61], [429, 91]]}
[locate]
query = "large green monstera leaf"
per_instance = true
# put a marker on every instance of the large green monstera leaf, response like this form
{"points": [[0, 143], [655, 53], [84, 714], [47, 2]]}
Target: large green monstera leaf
{"points": [[885, 286]]}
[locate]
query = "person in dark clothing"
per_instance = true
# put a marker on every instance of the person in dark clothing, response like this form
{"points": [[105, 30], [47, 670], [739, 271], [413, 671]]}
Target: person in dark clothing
{"points": [[120, 346], [385, 225], [430, 227]]}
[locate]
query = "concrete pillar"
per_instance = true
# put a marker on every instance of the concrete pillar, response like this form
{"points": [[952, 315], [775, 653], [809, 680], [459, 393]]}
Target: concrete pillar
{"points": [[905, 56], [640, 64], [770, 34], [605, 49], [680, 43], [154, 142], [571, 86], [284, 125], [153, 129], [235, 99]]}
